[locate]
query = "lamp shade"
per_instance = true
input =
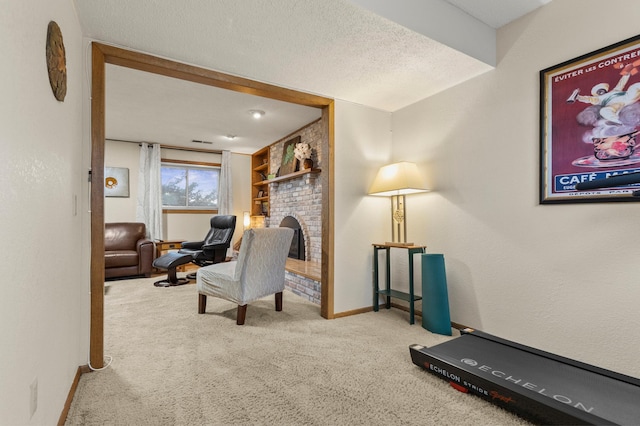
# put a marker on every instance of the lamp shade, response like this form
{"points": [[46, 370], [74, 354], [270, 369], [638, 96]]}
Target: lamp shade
{"points": [[397, 179]]}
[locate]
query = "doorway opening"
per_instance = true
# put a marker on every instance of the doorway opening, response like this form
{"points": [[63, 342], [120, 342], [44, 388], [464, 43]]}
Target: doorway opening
{"points": [[103, 54]]}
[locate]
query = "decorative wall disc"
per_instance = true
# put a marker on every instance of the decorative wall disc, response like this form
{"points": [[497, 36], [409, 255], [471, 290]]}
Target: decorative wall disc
{"points": [[56, 61]]}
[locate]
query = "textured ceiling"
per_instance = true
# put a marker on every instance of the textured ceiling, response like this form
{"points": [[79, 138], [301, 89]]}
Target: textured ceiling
{"points": [[335, 48], [154, 108]]}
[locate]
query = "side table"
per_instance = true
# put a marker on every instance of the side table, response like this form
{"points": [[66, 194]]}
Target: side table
{"points": [[387, 291]]}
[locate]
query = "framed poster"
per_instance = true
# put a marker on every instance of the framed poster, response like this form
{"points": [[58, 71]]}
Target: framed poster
{"points": [[289, 160], [589, 124], [116, 182]]}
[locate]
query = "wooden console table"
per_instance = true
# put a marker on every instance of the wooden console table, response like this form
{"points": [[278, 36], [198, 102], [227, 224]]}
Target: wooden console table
{"points": [[387, 291]]}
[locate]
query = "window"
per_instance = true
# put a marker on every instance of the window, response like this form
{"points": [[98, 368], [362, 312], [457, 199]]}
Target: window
{"points": [[189, 187]]}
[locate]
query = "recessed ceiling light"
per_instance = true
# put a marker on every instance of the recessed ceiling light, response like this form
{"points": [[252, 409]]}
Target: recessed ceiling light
{"points": [[256, 113], [230, 137]]}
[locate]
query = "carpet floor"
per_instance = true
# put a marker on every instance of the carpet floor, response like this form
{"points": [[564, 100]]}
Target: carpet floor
{"points": [[172, 366]]}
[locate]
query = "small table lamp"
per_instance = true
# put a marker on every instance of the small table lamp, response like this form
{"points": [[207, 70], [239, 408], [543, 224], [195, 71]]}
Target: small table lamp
{"points": [[246, 220], [395, 181]]}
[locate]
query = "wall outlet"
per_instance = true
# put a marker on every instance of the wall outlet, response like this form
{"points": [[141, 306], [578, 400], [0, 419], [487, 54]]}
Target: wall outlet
{"points": [[33, 403]]}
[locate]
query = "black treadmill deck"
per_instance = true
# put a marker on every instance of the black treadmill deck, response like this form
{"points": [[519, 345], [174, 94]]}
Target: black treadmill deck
{"points": [[536, 385]]}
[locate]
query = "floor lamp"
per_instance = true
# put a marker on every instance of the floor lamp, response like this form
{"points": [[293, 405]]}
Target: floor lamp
{"points": [[396, 181]]}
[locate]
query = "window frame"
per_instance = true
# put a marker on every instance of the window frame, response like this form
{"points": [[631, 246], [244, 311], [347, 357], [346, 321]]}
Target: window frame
{"points": [[183, 210]]}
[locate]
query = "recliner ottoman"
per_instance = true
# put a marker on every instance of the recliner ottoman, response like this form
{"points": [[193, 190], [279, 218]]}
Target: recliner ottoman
{"points": [[170, 262]]}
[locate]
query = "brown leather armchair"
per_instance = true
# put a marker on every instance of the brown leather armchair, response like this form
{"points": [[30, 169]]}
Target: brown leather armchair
{"points": [[127, 251]]}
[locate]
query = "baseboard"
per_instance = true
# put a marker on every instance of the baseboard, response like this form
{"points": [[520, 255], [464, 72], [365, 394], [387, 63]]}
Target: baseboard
{"points": [[458, 326], [67, 405], [455, 325], [354, 312], [418, 313]]}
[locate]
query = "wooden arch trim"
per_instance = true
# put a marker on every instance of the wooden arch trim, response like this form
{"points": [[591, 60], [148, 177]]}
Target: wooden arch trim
{"points": [[101, 55]]}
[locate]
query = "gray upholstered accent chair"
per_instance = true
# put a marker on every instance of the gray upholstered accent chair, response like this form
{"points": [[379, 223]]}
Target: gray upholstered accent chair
{"points": [[213, 249], [258, 272]]}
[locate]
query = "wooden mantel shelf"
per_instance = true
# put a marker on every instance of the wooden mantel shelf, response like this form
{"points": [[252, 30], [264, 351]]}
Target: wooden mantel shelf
{"points": [[289, 176]]}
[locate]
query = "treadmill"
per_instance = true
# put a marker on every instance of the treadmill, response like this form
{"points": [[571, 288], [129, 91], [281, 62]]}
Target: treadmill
{"points": [[536, 385], [539, 386]]}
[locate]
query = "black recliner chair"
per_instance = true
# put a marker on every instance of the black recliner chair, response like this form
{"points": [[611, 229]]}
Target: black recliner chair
{"points": [[213, 249]]}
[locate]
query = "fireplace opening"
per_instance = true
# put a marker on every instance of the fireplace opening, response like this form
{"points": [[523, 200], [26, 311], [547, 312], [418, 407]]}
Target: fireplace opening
{"points": [[297, 243]]}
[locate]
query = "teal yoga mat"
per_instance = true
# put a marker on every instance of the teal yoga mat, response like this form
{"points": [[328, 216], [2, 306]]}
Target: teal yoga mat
{"points": [[435, 298]]}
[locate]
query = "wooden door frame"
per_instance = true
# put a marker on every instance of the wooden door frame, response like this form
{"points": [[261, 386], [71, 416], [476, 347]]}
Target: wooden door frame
{"points": [[101, 55]]}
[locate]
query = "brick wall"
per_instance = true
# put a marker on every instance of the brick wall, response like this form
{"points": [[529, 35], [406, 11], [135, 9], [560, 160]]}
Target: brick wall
{"points": [[303, 286], [300, 198]]}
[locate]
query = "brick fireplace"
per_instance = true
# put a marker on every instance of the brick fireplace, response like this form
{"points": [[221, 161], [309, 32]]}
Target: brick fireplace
{"points": [[301, 199], [298, 247]]}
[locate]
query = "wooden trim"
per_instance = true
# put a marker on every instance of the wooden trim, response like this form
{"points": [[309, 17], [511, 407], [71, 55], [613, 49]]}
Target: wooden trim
{"points": [[304, 268], [184, 211], [458, 326], [144, 62], [288, 176], [103, 54], [455, 325], [195, 163], [353, 312], [96, 328], [417, 312], [327, 220], [72, 391]]}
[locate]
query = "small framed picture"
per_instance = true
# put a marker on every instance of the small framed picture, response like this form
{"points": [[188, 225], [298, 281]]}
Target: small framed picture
{"points": [[260, 193], [116, 182], [289, 161]]}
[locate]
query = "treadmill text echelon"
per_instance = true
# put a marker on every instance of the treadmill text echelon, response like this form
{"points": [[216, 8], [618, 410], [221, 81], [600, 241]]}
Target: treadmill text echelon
{"points": [[525, 384], [458, 380], [537, 385]]}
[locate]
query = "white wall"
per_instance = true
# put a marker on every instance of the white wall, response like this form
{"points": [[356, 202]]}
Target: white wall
{"points": [[362, 145], [563, 278], [126, 155], [45, 285], [556, 277], [181, 226]]}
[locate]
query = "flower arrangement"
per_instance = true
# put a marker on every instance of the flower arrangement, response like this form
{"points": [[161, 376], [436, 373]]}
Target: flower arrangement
{"points": [[302, 151]]}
